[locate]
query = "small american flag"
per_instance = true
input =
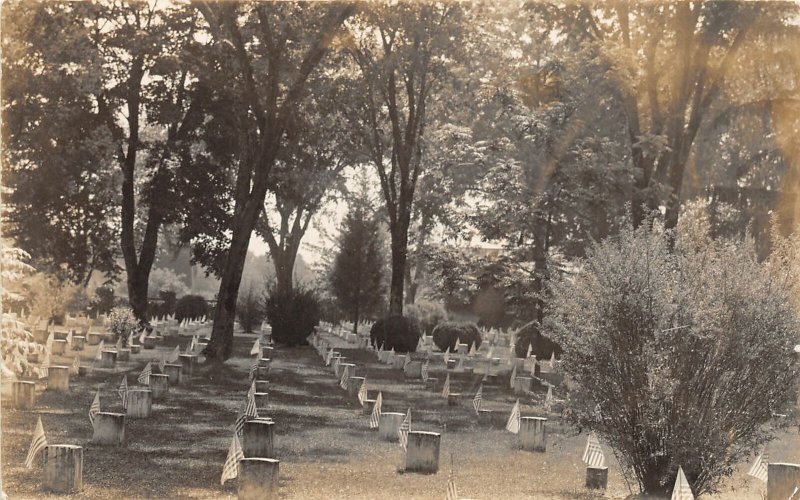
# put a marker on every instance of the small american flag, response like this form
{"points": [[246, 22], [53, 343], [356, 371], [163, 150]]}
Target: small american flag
{"points": [[175, 355], [123, 391], [253, 370], [329, 357], [76, 365], [405, 428], [362, 392], [256, 349], [682, 490], [424, 371], [513, 420], [142, 335], [99, 355], [38, 443], [69, 339], [162, 363], [252, 390], [250, 412], [593, 456], [144, 377], [344, 380], [478, 399], [548, 400], [513, 375], [95, 408], [759, 468], [446, 356], [530, 349], [375, 418], [231, 468], [446, 387], [452, 493]]}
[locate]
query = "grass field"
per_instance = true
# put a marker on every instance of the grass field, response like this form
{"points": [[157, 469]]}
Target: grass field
{"points": [[324, 443]]}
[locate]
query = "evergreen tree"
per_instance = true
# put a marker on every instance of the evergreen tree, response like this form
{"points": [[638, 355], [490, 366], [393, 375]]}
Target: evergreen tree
{"points": [[357, 274]]}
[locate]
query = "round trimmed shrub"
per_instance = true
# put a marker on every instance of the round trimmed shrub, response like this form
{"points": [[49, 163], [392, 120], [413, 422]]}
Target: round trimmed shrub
{"points": [[292, 315], [446, 334], [542, 347], [400, 333], [191, 307]]}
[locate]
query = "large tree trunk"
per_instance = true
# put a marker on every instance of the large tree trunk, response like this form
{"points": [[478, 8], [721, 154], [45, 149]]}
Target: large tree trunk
{"points": [[399, 257], [284, 272], [220, 346], [137, 292]]}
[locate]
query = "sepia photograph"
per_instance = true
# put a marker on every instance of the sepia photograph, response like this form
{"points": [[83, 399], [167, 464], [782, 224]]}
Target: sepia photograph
{"points": [[400, 249]]}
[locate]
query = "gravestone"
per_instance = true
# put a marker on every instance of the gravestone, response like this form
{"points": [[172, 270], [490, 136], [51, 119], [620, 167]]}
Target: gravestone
{"points": [[63, 468], [422, 452]]}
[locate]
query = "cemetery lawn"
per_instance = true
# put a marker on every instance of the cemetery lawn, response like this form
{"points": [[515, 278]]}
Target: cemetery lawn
{"points": [[324, 443]]}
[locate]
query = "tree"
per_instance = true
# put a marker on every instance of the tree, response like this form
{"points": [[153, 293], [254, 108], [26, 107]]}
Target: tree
{"points": [[673, 62], [259, 64], [659, 341], [61, 204], [356, 276], [401, 52]]}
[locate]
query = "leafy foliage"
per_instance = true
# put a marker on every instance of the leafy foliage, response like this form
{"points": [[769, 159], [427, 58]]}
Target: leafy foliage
{"points": [[428, 313], [250, 310], [191, 307], [396, 332], [122, 322], [292, 315], [541, 346], [446, 334], [683, 356]]}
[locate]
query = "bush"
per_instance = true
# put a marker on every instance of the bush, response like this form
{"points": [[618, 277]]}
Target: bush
{"points": [[292, 316], [446, 334], [123, 322], [541, 346], [249, 310], [400, 333], [427, 313], [103, 300], [694, 341], [191, 307]]}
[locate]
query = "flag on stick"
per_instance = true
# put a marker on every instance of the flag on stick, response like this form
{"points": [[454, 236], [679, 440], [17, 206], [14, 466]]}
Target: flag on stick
{"points": [[38, 443], [144, 377], [424, 371], [142, 336], [362, 392], [376, 412], [513, 375], [251, 392], [478, 399], [49, 342], [405, 428], [256, 347], [530, 349], [69, 340], [76, 365], [175, 355], [329, 357], [99, 355], [452, 493], [123, 391], [682, 490], [249, 413], [231, 468], [446, 356], [593, 455], [548, 400], [513, 420], [343, 382], [759, 468], [95, 408], [162, 363], [446, 387]]}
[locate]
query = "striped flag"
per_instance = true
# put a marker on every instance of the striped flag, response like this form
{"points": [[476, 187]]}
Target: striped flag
{"points": [[513, 375], [130, 339], [99, 355], [231, 468], [69, 340], [759, 468], [253, 369], [44, 372], [95, 408], [593, 456], [533, 366], [49, 342], [336, 362], [375, 419], [76, 365], [250, 412], [362, 392], [478, 399], [123, 391], [142, 335], [446, 355], [118, 345], [162, 363], [251, 392], [175, 355], [682, 490], [329, 357], [424, 371], [452, 493], [256, 349], [446, 387], [548, 400], [343, 382], [405, 428], [38, 443], [144, 377], [513, 420]]}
